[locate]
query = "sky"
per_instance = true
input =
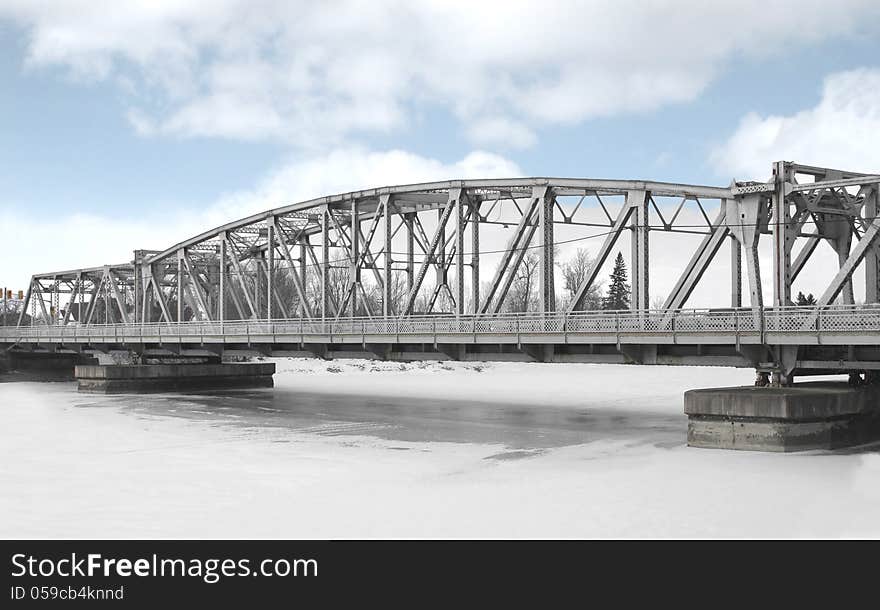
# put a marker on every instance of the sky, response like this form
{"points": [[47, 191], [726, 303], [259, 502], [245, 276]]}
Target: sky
{"points": [[134, 125]]}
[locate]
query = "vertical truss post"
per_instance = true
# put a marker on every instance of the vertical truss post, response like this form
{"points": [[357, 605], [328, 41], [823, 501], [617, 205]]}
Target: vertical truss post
{"points": [[440, 255], [783, 236], [270, 264], [475, 254], [325, 261], [259, 262], [136, 290], [459, 252], [180, 284], [53, 309], [409, 221], [638, 201], [355, 273], [745, 217], [872, 258], [222, 281], [385, 205], [303, 278], [146, 301], [735, 273], [546, 290]]}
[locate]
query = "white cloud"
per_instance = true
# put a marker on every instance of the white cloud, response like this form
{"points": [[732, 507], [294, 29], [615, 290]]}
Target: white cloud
{"points": [[354, 169], [316, 73], [838, 132], [76, 241]]}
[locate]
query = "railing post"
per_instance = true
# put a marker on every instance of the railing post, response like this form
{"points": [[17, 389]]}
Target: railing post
{"points": [[617, 328], [736, 328], [818, 326], [565, 326]]}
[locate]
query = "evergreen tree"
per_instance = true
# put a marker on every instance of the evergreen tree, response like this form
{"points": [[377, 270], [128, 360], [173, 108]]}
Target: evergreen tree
{"points": [[618, 289], [806, 300]]}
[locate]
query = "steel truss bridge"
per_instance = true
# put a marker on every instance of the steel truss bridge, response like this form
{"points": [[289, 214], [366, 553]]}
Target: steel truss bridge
{"points": [[399, 272]]}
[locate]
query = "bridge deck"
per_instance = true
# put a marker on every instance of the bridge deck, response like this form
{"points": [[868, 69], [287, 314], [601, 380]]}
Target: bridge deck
{"points": [[843, 325]]}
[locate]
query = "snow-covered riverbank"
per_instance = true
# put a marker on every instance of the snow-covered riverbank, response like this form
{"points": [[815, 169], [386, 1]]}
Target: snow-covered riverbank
{"points": [[373, 449]]}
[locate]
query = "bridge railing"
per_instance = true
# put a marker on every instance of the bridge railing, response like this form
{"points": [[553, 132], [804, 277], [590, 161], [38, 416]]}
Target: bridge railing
{"points": [[842, 318]]}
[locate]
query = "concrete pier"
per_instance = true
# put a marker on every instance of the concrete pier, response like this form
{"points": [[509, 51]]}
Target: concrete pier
{"points": [[48, 366], [141, 378], [816, 415]]}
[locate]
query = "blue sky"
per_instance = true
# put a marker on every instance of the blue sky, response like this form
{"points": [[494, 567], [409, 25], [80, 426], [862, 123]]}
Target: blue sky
{"points": [[122, 117]]}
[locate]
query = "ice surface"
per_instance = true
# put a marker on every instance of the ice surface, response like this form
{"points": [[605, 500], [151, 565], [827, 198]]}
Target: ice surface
{"points": [[376, 449]]}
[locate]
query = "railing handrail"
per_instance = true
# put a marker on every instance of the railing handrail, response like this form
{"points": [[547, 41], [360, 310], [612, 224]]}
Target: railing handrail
{"points": [[732, 319]]}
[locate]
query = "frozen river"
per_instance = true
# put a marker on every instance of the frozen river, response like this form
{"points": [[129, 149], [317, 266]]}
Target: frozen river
{"points": [[359, 449]]}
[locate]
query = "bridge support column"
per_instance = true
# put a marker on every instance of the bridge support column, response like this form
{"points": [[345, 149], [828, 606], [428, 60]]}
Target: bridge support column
{"points": [[800, 417], [146, 378], [43, 366]]}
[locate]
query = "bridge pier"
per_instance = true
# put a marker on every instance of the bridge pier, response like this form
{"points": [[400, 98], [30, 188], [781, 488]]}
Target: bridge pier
{"points": [[146, 378], [799, 417], [47, 366]]}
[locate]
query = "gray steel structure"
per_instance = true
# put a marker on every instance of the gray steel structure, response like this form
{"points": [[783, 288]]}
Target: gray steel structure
{"points": [[355, 269]]}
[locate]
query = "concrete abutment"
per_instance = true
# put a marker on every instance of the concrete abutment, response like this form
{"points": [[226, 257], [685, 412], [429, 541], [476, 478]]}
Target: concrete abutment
{"points": [[800, 417]]}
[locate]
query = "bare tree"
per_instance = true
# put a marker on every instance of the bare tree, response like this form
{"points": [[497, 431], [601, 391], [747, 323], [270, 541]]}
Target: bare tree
{"points": [[522, 294], [574, 272]]}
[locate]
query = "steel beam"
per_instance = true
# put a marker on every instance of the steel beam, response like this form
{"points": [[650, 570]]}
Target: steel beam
{"points": [[745, 217], [783, 237], [735, 272], [546, 264], [387, 258], [514, 251], [696, 267], [872, 257], [638, 201], [845, 272], [454, 194], [620, 222]]}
